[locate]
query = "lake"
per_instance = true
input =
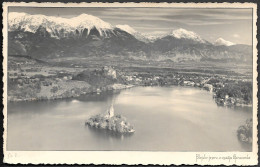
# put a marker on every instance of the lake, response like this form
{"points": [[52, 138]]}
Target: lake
{"points": [[164, 118]]}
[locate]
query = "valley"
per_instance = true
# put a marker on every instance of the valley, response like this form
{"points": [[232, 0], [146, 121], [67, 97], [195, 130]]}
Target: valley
{"points": [[30, 79]]}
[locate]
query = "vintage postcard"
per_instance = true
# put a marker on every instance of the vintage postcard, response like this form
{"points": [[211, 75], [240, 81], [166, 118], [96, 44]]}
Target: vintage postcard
{"points": [[130, 83]]}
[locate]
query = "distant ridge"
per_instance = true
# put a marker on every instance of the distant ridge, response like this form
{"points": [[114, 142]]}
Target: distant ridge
{"points": [[221, 41], [185, 34], [48, 37]]}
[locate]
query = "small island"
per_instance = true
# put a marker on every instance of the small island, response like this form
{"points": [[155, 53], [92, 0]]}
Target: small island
{"points": [[109, 121]]}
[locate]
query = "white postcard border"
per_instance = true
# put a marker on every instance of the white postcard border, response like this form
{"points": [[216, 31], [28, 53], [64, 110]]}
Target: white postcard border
{"points": [[133, 157]]}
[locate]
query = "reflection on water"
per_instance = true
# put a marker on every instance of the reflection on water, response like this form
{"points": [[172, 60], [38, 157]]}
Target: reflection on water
{"points": [[104, 133], [164, 118], [103, 96]]}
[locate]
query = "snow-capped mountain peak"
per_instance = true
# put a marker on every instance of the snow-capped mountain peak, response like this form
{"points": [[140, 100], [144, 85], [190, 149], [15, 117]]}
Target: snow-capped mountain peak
{"points": [[185, 34], [221, 41], [13, 15], [54, 24], [126, 28], [89, 20]]}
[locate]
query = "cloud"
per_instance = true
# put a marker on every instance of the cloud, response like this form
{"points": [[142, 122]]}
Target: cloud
{"points": [[236, 36], [189, 17]]}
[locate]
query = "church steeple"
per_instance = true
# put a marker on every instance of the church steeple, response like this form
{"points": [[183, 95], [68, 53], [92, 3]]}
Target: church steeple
{"points": [[111, 111]]}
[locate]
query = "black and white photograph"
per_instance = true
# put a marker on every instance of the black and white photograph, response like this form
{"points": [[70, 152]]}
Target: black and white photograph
{"points": [[131, 79]]}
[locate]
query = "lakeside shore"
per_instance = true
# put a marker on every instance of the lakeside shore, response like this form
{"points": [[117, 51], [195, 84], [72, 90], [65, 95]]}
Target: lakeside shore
{"points": [[219, 101], [74, 94]]}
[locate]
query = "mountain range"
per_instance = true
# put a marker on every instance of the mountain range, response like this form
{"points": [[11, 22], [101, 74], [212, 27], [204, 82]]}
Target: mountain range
{"points": [[48, 37]]}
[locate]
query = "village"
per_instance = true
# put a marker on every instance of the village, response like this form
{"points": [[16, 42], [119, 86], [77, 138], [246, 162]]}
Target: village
{"points": [[227, 90]]}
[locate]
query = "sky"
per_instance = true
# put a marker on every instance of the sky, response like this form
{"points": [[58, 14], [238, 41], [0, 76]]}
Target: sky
{"points": [[234, 25]]}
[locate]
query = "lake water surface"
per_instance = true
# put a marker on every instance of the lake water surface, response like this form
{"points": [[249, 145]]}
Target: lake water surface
{"points": [[164, 118]]}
